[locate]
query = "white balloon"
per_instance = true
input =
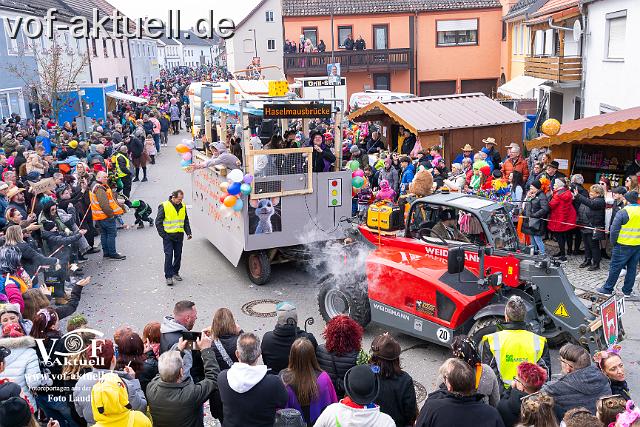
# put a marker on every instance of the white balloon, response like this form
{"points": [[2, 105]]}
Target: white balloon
{"points": [[236, 175]]}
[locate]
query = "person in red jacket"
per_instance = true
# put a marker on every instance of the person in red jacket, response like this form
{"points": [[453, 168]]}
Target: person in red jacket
{"points": [[562, 218]]}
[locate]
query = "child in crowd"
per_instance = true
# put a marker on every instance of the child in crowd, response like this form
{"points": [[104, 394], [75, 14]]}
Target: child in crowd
{"points": [[142, 213]]}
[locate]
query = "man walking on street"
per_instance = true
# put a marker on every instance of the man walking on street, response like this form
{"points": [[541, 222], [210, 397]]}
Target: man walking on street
{"points": [[104, 208], [172, 224], [625, 238]]}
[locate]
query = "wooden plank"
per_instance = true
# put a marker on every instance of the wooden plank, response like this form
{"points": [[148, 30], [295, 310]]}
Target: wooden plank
{"points": [[255, 196]]}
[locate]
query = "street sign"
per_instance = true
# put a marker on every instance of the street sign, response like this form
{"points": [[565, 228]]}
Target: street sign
{"points": [[293, 111], [609, 316], [278, 88], [323, 82]]}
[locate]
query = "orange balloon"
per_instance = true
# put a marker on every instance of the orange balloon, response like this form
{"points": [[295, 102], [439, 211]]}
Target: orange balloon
{"points": [[181, 148], [550, 127], [229, 201]]}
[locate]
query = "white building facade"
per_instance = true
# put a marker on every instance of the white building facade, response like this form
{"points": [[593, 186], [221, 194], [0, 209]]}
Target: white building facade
{"points": [[259, 34], [145, 68], [611, 58], [194, 51]]}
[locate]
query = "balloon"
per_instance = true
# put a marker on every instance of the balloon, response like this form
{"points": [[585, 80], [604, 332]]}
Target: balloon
{"points": [[238, 206], [181, 148], [224, 196], [245, 189], [248, 178], [234, 188], [185, 163], [229, 201], [358, 172], [235, 175], [354, 165], [224, 186], [357, 182], [550, 127], [226, 211], [186, 156]]}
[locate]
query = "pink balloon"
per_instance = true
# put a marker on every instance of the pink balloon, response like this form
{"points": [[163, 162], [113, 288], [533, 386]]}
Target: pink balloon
{"points": [[186, 156], [358, 172]]}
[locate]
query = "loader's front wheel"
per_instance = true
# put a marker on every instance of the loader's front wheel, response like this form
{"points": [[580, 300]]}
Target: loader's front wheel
{"points": [[482, 327], [339, 298]]}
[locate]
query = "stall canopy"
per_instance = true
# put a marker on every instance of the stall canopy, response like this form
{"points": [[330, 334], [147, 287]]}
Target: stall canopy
{"points": [[233, 109], [126, 97], [440, 113], [520, 87], [620, 128]]}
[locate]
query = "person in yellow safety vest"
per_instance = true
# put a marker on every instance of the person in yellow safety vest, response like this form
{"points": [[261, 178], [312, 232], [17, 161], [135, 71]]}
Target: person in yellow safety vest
{"points": [[104, 209], [625, 238], [506, 349], [123, 170], [172, 224]]}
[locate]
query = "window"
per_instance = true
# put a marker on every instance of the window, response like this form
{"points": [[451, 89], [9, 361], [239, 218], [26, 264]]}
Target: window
{"points": [[522, 30], [104, 48], [271, 44], [247, 45], [103, 80], [115, 52], [4, 106], [514, 39], [381, 82], [381, 36], [12, 43], [269, 16], [504, 31], [343, 32], [311, 34], [616, 28], [457, 32], [11, 102], [94, 49], [122, 47]]}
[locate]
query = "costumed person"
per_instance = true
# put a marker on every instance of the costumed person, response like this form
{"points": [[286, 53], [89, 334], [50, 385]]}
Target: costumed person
{"points": [[142, 212], [610, 363], [385, 192]]}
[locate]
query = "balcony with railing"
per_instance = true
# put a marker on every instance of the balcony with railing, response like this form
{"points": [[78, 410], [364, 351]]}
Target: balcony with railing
{"points": [[560, 69], [376, 60]]}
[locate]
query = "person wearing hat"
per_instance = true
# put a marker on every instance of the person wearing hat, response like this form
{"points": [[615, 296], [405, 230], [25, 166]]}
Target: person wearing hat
{"points": [[358, 409], [467, 152], [16, 412], [458, 404], [529, 379], [142, 213], [397, 396], [276, 344], [515, 162], [625, 238], [536, 210], [492, 153], [551, 171], [447, 227], [15, 195]]}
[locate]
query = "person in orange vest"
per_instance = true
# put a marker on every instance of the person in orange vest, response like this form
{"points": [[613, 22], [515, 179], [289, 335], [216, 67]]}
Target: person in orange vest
{"points": [[104, 209]]}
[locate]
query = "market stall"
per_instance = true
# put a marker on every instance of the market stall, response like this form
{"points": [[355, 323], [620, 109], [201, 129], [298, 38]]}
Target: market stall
{"points": [[604, 145], [450, 121]]}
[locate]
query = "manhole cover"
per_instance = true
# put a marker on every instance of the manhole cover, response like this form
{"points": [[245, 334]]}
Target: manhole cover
{"points": [[421, 392], [261, 308]]}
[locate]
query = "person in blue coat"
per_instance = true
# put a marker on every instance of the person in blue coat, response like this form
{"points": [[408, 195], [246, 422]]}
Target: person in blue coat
{"points": [[467, 152], [408, 172]]}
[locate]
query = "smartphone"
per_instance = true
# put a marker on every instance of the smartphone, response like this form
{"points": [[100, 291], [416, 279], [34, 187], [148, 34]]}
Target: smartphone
{"points": [[191, 336]]}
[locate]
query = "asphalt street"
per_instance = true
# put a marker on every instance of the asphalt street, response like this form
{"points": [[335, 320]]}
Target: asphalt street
{"points": [[133, 291]]}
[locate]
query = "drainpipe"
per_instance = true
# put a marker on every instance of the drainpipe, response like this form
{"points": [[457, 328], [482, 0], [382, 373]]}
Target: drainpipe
{"points": [[556, 27], [415, 53], [583, 53]]}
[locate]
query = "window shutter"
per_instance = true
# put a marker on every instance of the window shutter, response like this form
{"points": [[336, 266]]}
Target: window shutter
{"points": [[617, 27], [458, 25]]}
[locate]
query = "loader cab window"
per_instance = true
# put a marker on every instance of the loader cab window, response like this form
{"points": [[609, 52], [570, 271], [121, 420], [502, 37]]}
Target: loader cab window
{"points": [[443, 222], [502, 231]]}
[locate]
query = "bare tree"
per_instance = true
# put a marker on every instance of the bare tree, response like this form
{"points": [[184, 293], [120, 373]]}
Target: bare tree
{"points": [[54, 82]]}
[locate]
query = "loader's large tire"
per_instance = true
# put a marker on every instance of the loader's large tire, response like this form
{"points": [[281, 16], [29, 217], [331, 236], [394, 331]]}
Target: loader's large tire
{"points": [[350, 299], [482, 327]]}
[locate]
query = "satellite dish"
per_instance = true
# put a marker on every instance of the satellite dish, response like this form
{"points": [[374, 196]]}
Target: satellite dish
{"points": [[577, 30]]}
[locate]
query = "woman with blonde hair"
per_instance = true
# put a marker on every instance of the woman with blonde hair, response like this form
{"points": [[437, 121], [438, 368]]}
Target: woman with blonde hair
{"points": [[31, 258], [537, 410]]}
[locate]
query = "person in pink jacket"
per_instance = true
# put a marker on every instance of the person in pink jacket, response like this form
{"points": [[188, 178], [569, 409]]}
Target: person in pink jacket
{"points": [[386, 192]]}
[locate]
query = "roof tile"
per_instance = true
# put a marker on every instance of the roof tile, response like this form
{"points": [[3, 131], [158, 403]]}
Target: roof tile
{"points": [[353, 7]]}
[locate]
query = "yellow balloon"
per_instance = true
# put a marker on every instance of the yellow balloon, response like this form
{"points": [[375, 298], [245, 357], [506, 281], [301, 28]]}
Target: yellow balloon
{"points": [[550, 127], [181, 148], [229, 201]]}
